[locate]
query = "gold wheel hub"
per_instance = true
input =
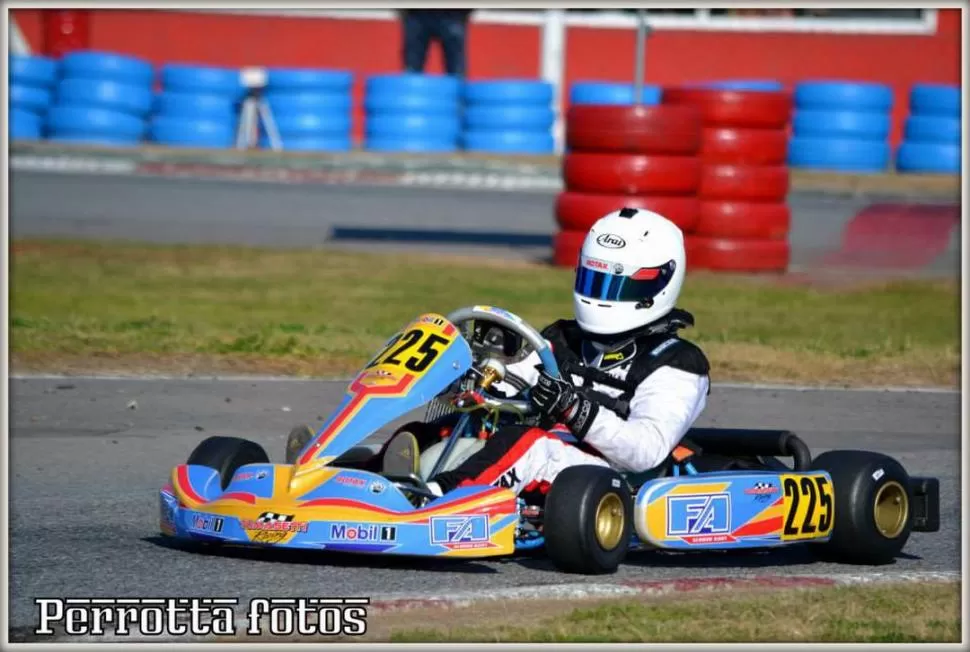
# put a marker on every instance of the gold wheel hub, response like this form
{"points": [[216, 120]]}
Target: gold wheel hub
{"points": [[891, 509], [610, 521]]}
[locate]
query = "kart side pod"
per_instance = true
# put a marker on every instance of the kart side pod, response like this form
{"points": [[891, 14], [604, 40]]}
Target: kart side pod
{"points": [[734, 510]]}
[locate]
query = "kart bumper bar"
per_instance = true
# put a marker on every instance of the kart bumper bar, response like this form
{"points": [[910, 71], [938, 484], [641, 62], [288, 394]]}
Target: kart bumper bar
{"points": [[926, 504]]}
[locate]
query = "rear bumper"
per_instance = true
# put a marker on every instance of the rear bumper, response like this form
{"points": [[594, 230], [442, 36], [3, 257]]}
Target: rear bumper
{"points": [[445, 535], [926, 504]]}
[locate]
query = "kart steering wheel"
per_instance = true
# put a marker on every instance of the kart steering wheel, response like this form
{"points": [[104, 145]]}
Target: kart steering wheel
{"points": [[515, 324]]}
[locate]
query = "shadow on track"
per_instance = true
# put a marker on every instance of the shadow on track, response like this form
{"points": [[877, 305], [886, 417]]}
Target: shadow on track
{"points": [[532, 560]]}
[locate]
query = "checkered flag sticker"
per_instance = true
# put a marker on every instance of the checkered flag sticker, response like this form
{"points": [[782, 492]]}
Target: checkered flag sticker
{"points": [[762, 485], [273, 517]]}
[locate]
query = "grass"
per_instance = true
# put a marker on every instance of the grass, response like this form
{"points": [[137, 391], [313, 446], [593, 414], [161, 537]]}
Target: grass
{"points": [[898, 613], [87, 306]]}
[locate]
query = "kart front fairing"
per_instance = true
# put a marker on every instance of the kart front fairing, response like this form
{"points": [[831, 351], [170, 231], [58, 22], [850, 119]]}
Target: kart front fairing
{"points": [[312, 504], [415, 365]]}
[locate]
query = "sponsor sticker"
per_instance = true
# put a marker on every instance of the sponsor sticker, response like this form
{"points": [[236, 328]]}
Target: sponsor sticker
{"points": [[273, 522], [610, 241], [363, 532], [698, 515], [460, 532]]}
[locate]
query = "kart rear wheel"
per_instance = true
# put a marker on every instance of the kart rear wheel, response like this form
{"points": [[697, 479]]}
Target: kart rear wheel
{"points": [[588, 520], [226, 455], [873, 507]]}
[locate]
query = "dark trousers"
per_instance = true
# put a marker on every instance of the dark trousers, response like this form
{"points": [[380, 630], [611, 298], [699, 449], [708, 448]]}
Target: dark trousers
{"points": [[448, 28]]}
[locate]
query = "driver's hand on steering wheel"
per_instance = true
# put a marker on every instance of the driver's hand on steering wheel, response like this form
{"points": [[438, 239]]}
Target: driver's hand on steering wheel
{"points": [[559, 400]]}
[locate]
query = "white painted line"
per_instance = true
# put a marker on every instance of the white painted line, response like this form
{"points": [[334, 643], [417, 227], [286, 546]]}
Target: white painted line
{"points": [[332, 379]]}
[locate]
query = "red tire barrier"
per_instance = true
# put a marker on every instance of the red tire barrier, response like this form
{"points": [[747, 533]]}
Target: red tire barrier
{"points": [[744, 146], [578, 211], [670, 130], [744, 182], [729, 255], [725, 108], [743, 220], [566, 246], [632, 174]]}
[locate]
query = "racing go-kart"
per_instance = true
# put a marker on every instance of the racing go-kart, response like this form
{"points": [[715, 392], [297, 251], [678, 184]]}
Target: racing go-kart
{"points": [[724, 489]]}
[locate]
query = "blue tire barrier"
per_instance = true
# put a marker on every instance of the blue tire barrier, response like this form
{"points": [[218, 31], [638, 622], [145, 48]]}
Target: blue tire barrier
{"points": [[612, 93], [934, 158], [509, 118], [439, 86], [508, 92], [843, 96], [764, 85], [417, 125], [311, 144], [25, 125], [411, 144], [136, 100], [312, 124], [294, 102], [203, 79], [935, 99], [932, 129], [508, 142], [413, 103], [199, 106], [32, 70], [68, 121], [841, 124], [189, 132], [90, 64], [29, 98], [838, 154], [308, 79]]}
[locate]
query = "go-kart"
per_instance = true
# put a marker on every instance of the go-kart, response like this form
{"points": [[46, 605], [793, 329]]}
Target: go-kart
{"points": [[730, 489]]}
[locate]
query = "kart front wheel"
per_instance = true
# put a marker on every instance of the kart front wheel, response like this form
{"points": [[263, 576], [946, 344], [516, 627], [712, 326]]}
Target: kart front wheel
{"points": [[873, 507], [226, 455], [588, 520]]}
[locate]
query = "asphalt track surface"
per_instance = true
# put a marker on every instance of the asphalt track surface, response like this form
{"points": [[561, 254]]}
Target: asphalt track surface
{"points": [[520, 223], [86, 470]]}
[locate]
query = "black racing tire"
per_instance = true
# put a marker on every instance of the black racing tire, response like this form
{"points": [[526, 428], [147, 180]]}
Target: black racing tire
{"points": [[226, 455], [574, 507], [861, 480]]}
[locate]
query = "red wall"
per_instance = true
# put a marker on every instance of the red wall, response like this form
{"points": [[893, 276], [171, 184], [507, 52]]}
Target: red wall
{"points": [[370, 46]]}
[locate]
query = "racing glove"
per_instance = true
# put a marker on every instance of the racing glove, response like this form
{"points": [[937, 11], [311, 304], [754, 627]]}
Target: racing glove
{"points": [[559, 400]]}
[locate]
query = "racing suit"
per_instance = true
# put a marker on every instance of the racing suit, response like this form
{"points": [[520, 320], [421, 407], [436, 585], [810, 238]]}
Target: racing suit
{"points": [[643, 395]]}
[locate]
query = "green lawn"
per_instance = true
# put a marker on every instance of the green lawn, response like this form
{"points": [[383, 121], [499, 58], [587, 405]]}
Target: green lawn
{"points": [[115, 306], [909, 613]]}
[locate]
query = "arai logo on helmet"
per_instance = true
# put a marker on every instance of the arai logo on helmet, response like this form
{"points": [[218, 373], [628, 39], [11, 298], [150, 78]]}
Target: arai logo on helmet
{"points": [[611, 241]]}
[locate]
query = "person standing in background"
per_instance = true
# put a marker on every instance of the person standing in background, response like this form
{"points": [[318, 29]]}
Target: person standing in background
{"points": [[447, 26]]}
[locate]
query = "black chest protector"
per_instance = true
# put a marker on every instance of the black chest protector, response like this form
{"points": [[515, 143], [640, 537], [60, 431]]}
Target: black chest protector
{"points": [[654, 346]]}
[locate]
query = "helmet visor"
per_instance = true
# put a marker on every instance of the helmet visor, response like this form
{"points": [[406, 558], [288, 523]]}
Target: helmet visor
{"points": [[646, 283]]}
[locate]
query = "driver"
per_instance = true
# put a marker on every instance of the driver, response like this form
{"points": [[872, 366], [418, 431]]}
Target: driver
{"points": [[631, 386]]}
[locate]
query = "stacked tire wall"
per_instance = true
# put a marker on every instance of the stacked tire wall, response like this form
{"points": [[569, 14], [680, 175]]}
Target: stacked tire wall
{"points": [[412, 113], [612, 93], [626, 156], [311, 108], [101, 99], [198, 106], [508, 117], [31, 90], [841, 126], [743, 220], [932, 132]]}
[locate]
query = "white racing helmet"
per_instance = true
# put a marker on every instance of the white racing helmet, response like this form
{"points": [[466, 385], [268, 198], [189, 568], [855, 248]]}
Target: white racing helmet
{"points": [[631, 269]]}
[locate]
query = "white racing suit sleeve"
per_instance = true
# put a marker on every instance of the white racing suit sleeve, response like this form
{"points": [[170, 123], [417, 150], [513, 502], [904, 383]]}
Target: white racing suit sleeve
{"points": [[664, 407]]}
